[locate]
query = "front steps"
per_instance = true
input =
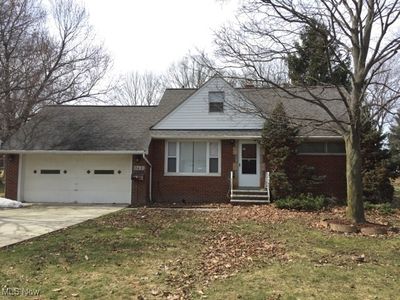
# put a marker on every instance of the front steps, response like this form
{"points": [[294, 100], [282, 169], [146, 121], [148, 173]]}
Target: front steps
{"points": [[249, 196]]}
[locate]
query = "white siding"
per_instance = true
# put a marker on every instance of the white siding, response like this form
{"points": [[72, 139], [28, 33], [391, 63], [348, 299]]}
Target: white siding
{"points": [[193, 112]]}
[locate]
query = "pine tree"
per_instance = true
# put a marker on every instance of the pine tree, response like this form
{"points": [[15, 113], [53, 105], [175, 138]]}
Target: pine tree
{"points": [[394, 144], [316, 59], [376, 171], [280, 144]]}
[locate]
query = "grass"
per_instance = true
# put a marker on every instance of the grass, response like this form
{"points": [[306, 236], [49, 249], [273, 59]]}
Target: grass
{"points": [[156, 253]]}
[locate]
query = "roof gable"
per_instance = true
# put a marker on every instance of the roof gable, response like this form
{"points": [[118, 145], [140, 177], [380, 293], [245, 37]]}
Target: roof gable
{"points": [[193, 112]]}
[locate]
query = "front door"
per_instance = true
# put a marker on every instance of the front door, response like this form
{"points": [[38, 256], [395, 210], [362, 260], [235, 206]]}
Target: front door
{"points": [[249, 169]]}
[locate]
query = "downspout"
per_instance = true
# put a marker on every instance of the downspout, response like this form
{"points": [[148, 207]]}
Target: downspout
{"points": [[151, 177]]}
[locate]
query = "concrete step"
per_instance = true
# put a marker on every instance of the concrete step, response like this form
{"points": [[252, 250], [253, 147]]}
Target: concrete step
{"points": [[249, 196], [249, 201], [243, 195]]}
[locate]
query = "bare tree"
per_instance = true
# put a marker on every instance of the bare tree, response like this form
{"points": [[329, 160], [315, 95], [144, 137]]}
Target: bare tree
{"points": [[189, 72], [137, 88], [47, 56], [383, 89], [367, 29]]}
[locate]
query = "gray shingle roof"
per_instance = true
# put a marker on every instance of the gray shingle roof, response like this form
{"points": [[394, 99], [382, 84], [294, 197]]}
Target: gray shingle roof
{"points": [[93, 128], [311, 118], [84, 128], [127, 128]]}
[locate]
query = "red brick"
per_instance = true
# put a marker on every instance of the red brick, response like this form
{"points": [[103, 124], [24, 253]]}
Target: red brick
{"points": [[334, 168], [12, 169], [190, 189], [140, 188]]}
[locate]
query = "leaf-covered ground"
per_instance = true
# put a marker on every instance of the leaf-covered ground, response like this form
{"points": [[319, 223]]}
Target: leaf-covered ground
{"points": [[253, 252]]}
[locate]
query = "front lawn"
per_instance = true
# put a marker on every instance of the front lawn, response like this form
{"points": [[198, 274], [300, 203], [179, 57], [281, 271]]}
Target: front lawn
{"points": [[255, 252]]}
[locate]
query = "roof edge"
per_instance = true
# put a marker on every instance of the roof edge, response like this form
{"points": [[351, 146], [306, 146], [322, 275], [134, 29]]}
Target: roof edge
{"points": [[72, 152]]}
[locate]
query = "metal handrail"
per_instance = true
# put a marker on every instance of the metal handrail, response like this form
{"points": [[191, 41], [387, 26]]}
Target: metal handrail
{"points": [[231, 184], [266, 185]]}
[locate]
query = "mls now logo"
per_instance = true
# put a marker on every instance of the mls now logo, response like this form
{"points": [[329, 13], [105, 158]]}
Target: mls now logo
{"points": [[14, 291]]}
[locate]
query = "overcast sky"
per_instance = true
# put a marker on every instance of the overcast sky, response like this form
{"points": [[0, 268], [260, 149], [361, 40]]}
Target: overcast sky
{"points": [[150, 35]]}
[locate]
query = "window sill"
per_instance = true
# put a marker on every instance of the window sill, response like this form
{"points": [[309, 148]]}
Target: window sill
{"points": [[322, 154], [193, 174]]}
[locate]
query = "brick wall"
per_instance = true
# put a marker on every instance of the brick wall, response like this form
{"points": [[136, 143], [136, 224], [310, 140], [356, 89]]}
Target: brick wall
{"points": [[140, 188], [190, 189], [12, 163], [334, 167]]}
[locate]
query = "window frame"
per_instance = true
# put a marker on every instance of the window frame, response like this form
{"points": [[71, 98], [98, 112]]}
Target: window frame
{"points": [[213, 103], [325, 153], [177, 173]]}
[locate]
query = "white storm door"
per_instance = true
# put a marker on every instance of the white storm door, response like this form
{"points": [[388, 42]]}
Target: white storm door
{"points": [[249, 164]]}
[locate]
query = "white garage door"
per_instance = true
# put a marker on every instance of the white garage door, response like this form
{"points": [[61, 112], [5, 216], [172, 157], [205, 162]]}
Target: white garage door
{"points": [[76, 178]]}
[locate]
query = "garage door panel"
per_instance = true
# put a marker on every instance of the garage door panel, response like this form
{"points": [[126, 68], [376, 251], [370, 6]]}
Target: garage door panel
{"points": [[77, 181]]}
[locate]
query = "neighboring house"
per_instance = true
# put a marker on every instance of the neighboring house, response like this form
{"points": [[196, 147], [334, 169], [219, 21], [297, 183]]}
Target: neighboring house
{"points": [[184, 150]]}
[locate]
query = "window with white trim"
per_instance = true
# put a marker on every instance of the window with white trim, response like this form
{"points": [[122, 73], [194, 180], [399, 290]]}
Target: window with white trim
{"points": [[216, 101], [171, 157], [192, 157]]}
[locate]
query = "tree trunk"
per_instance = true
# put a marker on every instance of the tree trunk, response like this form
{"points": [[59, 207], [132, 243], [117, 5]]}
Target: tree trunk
{"points": [[355, 205]]}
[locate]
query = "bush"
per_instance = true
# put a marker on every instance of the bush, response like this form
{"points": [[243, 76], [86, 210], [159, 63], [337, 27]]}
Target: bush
{"points": [[279, 185], [306, 180], [384, 208], [304, 202], [377, 185]]}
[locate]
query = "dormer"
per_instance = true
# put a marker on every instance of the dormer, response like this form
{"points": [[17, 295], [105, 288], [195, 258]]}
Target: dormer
{"points": [[215, 105]]}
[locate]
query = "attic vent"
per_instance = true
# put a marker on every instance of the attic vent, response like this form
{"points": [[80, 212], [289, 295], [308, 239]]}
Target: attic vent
{"points": [[216, 101]]}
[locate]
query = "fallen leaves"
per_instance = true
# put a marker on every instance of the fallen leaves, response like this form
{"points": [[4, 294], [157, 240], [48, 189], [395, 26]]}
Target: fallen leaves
{"points": [[226, 247], [226, 252]]}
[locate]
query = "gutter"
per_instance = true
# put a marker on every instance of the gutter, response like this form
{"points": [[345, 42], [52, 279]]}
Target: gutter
{"points": [[219, 137], [68, 152], [150, 175]]}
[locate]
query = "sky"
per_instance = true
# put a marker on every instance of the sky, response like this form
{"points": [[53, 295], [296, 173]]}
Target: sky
{"points": [[151, 35]]}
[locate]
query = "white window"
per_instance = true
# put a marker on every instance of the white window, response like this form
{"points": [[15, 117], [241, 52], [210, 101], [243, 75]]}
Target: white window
{"points": [[216, 101], [192, 157], [171, 157]]}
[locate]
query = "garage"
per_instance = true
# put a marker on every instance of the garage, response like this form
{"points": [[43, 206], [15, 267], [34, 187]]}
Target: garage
{"points": [[76, 178]]}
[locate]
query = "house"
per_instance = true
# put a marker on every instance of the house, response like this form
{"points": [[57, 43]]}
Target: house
{"points": [[195, 146]]}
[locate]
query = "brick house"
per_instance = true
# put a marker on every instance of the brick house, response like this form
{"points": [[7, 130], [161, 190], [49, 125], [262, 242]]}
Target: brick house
{"points": [[196, 146]]}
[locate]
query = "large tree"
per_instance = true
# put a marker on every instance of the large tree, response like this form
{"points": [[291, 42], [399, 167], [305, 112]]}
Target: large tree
{"points": [[367, 29], [136, 88], [188, 72], [315, 61], [48, 55]]}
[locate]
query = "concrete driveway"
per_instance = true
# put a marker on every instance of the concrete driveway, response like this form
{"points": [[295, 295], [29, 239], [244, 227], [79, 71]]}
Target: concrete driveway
{"points": [[24, 223]]}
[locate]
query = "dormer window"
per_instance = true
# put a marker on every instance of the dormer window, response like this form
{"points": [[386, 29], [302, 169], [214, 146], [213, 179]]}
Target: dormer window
{"points": [[216, 101]]}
